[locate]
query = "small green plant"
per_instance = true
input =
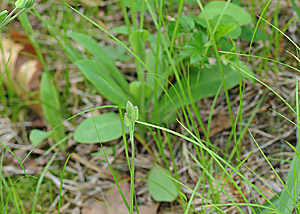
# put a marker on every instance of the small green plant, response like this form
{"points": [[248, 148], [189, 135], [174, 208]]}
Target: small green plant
{"points": [[52, 108], [130, 117], [163, 59], [155, 65]]}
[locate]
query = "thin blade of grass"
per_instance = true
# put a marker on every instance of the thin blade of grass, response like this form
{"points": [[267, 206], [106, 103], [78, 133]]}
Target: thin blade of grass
{"points": [[290, 194]]}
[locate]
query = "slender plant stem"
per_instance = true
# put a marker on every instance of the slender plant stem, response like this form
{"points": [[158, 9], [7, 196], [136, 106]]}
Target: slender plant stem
{"points": [[132, 171]]}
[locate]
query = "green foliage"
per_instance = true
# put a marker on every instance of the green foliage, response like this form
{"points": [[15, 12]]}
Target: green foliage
{"points": [[105, 62], [220, 8], [135, 90], [296, 8], [37, 136], [51, 107], [108, 127], [247, 32], [204, 80], [121, 30], [189, 51], [137, 40], [103, 82], [130, 117], [161, 186], [289, 198], [201, 84]]}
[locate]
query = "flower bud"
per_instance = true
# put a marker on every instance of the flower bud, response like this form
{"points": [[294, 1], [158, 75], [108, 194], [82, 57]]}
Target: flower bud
{"points": [[135, 115], [129, 109], [24, 3], [132, 112], [126, 120]]}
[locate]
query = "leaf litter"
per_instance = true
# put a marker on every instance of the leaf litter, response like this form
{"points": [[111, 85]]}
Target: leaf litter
{"points": [[114, 204]]}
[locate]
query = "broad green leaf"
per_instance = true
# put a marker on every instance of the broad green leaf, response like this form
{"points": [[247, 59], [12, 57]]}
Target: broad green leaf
{"points": [[225, 45], [244, 67], [137, 40], [195, 49], [109, 151], [108, 127], [205, 85], [37, 136], [161, 186], [247, 32], [3, 15], [121, 30], [187, 23], [135, 90], [51, 107], [227, 26], [102, 81], [215, 8], [114, 52], [90, 44], [103, 58], [73, 54]]}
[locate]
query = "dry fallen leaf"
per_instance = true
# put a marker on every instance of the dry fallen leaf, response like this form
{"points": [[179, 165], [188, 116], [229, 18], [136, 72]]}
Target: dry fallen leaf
{"points": [[92, 206], [152, 209], [114, 203], [219, 123], [23, 70]]}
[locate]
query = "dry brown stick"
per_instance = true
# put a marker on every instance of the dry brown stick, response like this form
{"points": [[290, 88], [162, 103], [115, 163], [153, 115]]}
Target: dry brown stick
{"points": [[91, 166]]}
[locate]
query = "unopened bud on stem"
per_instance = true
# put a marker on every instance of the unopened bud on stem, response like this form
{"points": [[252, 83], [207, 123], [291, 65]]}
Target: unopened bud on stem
{"points": [[21, 4]]}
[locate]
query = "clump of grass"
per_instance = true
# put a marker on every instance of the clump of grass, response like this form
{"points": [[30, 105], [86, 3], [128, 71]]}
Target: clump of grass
{"points": [[219, 167]]}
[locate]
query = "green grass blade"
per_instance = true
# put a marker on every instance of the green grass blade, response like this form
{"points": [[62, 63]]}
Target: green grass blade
{"points": [[61, 183], [41, 180], [289, 196]]}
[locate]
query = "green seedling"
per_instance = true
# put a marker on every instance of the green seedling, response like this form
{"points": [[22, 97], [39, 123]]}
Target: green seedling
{"points": [[130, 117]]}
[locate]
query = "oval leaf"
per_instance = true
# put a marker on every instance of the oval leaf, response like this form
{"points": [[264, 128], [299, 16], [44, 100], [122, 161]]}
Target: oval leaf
{"points": [[137, 40], [135, 88], [161, 186], [51, 107], [36, 136], [108, 127], [201, 86], [216, 8]]}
